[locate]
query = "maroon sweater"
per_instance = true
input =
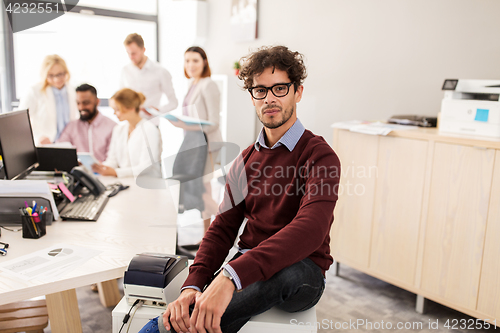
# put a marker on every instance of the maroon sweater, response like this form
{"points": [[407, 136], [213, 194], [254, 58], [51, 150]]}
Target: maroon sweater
{"points": [[288, 199]]}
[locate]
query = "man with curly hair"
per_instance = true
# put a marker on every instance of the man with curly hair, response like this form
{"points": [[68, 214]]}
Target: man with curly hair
{"points": [[285, 184]]}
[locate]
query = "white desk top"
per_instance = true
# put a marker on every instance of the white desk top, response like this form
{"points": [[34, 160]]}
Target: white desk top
{"points": [[134, 221]]}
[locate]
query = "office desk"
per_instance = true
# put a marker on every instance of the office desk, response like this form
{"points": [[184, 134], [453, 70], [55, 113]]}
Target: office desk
{"points": [[134, 221]]}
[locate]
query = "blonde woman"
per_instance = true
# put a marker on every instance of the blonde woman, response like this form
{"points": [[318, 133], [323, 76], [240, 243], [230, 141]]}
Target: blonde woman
{"points": [[52, 102], [203, 102], [132, 140]]}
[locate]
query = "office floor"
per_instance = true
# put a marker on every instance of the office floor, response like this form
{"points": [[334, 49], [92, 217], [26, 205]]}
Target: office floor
{"points": [[348, 299]]}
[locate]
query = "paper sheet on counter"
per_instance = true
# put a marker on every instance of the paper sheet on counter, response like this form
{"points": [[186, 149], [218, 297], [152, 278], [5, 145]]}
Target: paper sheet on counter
{"points": [[49, 263], [373, 128]]}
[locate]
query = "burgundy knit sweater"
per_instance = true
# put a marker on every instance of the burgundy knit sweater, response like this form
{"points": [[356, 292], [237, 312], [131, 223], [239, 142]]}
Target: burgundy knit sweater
{"points": [[288, 199]]}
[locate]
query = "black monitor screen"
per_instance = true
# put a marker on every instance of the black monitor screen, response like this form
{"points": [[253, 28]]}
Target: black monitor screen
{"points": [[17, 145]]}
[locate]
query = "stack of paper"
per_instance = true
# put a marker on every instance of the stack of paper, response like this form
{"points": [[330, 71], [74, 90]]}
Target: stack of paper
{"points": [[373, 128]]}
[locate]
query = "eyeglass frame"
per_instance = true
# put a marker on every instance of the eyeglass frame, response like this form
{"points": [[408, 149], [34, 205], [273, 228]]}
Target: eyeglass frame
{"points": [[271, 88], [56, 76]]}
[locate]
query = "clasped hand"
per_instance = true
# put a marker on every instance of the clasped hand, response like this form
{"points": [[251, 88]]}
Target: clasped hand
{"points": [[209, 307]]}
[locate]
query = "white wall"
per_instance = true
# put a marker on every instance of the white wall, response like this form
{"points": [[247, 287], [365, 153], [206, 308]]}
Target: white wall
{"points": [[369, 59]]}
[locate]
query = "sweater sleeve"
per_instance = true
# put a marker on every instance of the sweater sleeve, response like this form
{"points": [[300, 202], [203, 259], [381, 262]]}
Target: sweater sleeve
{"points": [[305, 233], [221, 234]]}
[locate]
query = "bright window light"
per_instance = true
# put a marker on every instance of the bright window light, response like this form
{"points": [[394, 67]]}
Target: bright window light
{"points": [[139, 7], [92, 47]]}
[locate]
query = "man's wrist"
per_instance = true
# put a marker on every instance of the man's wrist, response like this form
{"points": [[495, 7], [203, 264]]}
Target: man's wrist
{"points": [[229, 282], [190, 288], [228, 270]]}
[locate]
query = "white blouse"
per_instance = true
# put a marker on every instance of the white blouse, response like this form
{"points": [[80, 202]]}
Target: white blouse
{"points": [[43, 112], [129, 155]]}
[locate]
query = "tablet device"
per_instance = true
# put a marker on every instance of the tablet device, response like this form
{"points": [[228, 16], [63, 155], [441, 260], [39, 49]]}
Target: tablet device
{"points": [[187, 120], [87, 159]]}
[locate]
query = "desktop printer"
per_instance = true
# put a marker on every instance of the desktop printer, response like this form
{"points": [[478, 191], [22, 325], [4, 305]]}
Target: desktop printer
{"points": [[471, 107], [155, 278]]}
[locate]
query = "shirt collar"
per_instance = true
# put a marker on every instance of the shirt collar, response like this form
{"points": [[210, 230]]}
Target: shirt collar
{"points": [[59, 91], [289, 139], [148, 63], [96, 120]]}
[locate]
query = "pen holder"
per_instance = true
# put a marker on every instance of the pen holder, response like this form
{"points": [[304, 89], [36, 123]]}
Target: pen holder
{"points": [[32, 229]]}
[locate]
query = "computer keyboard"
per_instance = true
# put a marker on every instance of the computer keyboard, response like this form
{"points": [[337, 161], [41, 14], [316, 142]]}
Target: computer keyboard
{"points": [[87, 208]]}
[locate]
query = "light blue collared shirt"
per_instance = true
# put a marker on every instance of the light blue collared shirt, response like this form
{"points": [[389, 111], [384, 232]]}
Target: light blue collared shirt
{"points": [[289, 139], [62, 109]]}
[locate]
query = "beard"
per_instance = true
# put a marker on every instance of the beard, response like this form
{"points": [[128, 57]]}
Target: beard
{"points": [[89, 114], [272, 124]]}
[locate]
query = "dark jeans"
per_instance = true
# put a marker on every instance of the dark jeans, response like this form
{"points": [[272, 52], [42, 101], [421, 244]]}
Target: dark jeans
{"points": [[293, 289]]}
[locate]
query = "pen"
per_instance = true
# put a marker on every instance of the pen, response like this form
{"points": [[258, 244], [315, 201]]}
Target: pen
{"points": [[26, 204], [34, 206]]}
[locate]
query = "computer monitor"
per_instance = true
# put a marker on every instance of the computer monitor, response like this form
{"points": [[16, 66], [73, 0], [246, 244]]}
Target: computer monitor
{"points": [[17, 145]]}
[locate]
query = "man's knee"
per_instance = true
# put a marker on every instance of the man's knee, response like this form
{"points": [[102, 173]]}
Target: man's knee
{"points": [[305, 298], [304, 270]]}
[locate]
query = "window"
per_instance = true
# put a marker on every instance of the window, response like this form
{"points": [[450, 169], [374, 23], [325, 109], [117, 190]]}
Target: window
{"points": [[78, 40], [133, 6]]}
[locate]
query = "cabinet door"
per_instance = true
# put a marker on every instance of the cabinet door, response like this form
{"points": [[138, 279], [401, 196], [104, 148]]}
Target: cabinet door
{"points": [[350, 234], [489, 289], [456, 222], [398, 205]]}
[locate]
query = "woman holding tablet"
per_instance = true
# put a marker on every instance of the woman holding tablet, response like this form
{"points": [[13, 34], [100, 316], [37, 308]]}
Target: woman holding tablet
{"points": [[132, 140], [203, 102]]}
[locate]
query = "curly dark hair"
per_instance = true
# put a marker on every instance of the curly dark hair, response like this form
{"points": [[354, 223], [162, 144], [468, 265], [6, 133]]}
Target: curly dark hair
{"points": [[279, 57]]}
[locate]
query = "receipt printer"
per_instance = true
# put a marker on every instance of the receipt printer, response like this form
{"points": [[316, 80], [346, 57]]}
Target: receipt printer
{"points": [[471, 107], [155, 278]]}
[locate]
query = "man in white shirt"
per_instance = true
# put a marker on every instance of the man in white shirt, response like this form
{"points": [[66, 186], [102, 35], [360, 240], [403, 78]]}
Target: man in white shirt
{"points": [[148, 77]]}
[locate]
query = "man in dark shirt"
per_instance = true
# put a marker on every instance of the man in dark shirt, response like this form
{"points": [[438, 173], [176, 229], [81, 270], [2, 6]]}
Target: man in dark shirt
{"points": [[286, 186]]}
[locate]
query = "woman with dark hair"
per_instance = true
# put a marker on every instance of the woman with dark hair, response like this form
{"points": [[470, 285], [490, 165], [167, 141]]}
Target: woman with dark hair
{"points": [[202, 102]]}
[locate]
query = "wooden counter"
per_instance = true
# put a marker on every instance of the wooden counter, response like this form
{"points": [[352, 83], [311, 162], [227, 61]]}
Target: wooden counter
{"points": [[421, 211], [432, 134]]}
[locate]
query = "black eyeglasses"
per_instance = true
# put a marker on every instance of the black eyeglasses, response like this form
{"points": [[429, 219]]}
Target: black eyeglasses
{"points": [[278, 90]]}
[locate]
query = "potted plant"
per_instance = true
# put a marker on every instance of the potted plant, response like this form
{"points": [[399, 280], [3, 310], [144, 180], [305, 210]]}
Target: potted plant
{"points": [[236, 67]]}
